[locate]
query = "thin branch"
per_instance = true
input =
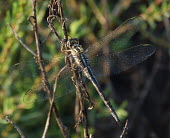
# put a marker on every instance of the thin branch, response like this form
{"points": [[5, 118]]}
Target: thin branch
{"points": [[125, 128], [156, 40], [167, 27], [56, 79], [60, 9], [83, 111], [46, 84], [53, 14], [97, 12], [50, 111], [76, 76], [121, 6], [46, 38], [19, 39], [76, 115], [55, 11], [50, 22], [17, 128], [38, 55], [91, 136], [47, 122]]}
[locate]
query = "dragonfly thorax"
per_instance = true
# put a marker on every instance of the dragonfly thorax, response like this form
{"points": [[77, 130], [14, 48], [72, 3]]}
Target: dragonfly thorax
{"points": [[74, 45]]}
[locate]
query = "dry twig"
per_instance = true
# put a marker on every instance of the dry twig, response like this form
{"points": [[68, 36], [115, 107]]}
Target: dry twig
{"points": [[17, 128], [125, 128], [63, 129], [22, 43], [56, 12]]}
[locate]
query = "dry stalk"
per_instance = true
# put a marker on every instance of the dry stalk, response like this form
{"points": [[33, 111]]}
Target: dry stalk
{"points": [[56, 12], [17, 128]]}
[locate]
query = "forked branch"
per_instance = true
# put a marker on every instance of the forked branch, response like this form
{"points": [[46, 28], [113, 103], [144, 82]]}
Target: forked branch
{"points": [[56, 12], [63, 129]]}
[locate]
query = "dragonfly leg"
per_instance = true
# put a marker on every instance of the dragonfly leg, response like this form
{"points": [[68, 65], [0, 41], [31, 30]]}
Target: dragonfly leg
{"points": [[79, 119], [65, 50], [87, 96], [73, 80]]}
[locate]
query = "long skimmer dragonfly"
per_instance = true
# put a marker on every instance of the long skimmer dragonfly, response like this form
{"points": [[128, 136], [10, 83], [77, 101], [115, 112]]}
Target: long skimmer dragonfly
{"points": [[92, 57]]}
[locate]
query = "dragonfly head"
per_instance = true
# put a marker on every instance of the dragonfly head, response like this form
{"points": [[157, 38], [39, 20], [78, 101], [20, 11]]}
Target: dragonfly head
{"points": [[73, 44]]}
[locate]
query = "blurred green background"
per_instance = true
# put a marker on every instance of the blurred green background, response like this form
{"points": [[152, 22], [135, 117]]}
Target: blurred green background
{"points": [[140, 94]]}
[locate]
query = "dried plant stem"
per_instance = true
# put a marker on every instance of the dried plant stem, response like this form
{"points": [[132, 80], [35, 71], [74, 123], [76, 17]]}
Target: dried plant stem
{"points": [[43, 72], [83, 112], [167, 27], [56, 12], [63, 129], [17, 128], [50, 111], [124, 132], [19, 39], [157, 40], [60, 10], [76, 115], [47, 122], [97, 12], [46, 38], [76, 75]]}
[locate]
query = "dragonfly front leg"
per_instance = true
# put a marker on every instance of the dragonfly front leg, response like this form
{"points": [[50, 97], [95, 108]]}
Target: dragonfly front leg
{"points": [[85, 93], [64, 50]]}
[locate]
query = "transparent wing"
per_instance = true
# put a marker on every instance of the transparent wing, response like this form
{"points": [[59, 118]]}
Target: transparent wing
{"points": [[64, 86], [115, 63], [25, 69], [28, 74], [31, 69], [117, 39]]}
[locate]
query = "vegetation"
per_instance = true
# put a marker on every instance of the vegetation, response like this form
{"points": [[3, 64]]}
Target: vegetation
{"points": [[139, 94]]}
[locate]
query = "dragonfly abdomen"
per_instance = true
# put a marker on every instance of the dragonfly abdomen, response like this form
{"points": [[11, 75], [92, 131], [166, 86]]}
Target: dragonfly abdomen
{"points": [[89, 74]]}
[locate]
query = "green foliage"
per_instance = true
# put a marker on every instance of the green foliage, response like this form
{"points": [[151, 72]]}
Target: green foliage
{"points": [[85, 26], [155, 13]]}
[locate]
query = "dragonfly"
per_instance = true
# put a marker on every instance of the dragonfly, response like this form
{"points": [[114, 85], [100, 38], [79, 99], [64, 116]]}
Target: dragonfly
{"points": [[94, 57]]}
